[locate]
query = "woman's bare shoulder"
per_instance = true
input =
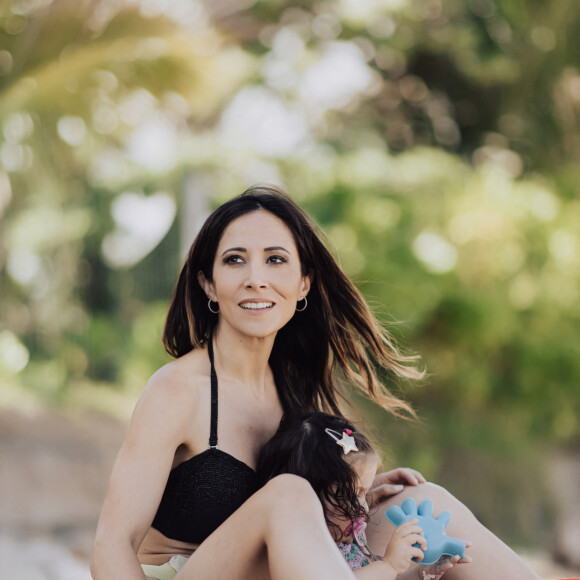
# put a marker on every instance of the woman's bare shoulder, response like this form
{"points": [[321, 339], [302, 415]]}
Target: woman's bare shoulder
{"points": [[173, 401], [176, 386]]}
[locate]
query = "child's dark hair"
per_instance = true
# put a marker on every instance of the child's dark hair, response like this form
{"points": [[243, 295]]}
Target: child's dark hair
{"points": [[301, 446]]}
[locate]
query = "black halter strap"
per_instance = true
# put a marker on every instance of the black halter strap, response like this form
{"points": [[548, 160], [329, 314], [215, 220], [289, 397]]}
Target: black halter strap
{"points": [[213, 439]]}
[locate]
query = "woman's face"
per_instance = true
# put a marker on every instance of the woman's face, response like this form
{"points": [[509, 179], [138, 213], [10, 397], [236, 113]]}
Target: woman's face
{"points": [[365, 466], [257, 278]]}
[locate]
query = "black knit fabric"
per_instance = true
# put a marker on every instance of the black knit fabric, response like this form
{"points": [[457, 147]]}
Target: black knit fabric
{"points": [[202, 492]]}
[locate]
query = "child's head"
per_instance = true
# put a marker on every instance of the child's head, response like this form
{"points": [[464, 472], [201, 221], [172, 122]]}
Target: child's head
{"points": [[307, 445]]}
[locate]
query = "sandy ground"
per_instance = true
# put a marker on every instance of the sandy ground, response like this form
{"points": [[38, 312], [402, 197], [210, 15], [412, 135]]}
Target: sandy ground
{"points": [[40, 559]]}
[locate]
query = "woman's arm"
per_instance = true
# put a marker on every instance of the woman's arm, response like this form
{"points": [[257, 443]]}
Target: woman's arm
{"points": [[139, 477]]}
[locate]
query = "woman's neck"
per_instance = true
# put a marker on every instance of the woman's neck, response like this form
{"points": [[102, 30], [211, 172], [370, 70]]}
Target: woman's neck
{"points": [[243, 359]]}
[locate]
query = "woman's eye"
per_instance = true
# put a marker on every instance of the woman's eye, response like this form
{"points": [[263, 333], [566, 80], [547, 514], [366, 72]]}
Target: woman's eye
{"points": [[276, 259], [233, 259]]}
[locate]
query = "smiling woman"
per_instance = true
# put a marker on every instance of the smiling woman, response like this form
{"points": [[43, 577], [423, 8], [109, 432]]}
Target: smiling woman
{"points": [[257, 276], [262, 305]]}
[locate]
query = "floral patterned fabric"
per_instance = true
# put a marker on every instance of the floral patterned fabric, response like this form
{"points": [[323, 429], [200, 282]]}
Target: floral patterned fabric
{"points": [[353, 555], [351, 552]]}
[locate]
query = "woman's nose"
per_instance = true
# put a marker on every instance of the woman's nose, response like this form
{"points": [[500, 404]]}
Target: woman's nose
{"points": [[256, 276]]}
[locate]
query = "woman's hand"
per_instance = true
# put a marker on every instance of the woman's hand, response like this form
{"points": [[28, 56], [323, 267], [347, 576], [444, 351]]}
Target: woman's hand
{"points": [[392, 482]]}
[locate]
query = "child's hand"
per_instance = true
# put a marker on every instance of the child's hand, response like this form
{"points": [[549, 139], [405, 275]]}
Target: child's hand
{"points": [[400, 549], [445, 563], [433, 528]]}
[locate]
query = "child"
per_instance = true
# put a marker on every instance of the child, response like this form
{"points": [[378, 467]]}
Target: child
{"points": [[341, 464]]}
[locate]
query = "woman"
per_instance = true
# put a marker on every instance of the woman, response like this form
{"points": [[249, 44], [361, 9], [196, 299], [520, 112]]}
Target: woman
{"points": [[260, 320]]}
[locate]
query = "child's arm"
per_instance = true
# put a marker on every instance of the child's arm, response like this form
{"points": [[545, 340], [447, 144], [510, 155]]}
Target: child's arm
{"points": [[436, 570], [398, 555], [417, 572]]}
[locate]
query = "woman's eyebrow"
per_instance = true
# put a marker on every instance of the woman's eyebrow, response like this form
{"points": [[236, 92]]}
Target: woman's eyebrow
{"points": [[234, 250], [268, 249], [276, 248]]}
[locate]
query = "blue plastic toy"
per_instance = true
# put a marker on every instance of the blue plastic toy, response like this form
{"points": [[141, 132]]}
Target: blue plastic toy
{"points": [[438, 544]]}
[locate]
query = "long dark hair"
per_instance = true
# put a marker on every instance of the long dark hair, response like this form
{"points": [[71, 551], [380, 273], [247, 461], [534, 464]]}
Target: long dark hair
{"points": [[302, 446], [336, 330]]}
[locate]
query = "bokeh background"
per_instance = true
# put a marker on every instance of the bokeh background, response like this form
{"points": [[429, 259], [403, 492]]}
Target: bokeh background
{"points": [[437, 144]]}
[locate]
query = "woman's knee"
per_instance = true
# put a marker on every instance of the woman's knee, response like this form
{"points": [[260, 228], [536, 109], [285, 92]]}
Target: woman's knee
{"points": [[290, 487], [436, 493], [442, 499], [289, 493]]}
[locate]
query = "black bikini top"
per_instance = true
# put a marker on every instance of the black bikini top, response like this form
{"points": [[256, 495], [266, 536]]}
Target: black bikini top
{"points": [[202, 492]]}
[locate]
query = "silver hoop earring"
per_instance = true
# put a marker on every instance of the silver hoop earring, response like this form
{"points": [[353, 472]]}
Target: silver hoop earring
{"points": [[305, 305], [210, 308]]}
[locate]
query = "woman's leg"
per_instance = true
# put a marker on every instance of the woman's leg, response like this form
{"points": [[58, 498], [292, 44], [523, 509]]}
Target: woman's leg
{"points": [[491, 557], [279, 534]]}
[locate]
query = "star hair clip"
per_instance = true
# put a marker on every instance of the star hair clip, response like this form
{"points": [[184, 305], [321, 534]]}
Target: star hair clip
{"points": [[347, 441]]}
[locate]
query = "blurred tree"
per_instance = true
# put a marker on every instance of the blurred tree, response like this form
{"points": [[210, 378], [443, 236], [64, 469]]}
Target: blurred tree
{"points": [[88, 90]]}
